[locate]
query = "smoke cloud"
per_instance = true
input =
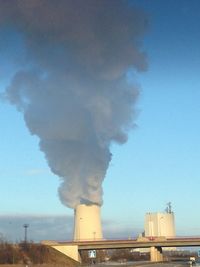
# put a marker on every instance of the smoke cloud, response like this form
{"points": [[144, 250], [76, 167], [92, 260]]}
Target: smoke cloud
{"points": [[72, 89]]}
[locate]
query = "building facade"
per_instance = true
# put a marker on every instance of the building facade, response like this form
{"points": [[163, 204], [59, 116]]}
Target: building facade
{"points": [[159, 224]]}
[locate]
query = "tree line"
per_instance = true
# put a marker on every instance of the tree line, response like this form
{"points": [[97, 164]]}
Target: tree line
{"points": [[23, 253]]}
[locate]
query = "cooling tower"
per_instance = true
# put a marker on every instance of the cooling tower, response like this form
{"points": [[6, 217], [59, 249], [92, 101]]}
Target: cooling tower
{"points": [[87, 222]]}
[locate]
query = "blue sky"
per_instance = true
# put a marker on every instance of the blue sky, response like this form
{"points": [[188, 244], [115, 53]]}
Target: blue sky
{"points": [[160, 161]]}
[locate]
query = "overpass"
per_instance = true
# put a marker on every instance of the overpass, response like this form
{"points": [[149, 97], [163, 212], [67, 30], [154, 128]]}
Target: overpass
{"points": [[155, 244], [137, 243]]}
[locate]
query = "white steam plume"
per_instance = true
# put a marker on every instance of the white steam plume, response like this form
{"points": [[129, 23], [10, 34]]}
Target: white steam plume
{"points": [[73, 90]]}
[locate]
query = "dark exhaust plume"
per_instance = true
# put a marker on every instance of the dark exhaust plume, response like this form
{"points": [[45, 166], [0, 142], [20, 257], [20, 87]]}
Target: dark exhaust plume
{"points": [[73, 90]]}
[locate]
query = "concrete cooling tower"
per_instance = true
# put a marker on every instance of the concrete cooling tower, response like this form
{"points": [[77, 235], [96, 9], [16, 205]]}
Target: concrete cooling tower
{"points": [[87, 222]]}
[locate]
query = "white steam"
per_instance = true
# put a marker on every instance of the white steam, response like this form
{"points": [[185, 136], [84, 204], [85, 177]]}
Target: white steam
{"points": [[73, 90]]}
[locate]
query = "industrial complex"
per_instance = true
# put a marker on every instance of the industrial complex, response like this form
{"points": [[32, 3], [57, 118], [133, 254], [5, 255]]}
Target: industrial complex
{"points": [[159, 234]]}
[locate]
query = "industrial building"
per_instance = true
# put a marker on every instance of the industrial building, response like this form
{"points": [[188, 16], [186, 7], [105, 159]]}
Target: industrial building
{"points": [[88, 230], [160, 224]]}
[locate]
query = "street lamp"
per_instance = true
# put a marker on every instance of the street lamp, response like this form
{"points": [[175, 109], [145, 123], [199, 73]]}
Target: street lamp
{"points": [[25, 232], [79, 229], [94, 233]]}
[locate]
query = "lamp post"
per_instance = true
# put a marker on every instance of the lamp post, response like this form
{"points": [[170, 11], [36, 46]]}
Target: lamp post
{"points": [[79, 230], [94, 233], [25, 232]]}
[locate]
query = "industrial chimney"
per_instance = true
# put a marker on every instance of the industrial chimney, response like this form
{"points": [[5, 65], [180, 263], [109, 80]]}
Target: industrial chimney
{"points": [[87, 222]]}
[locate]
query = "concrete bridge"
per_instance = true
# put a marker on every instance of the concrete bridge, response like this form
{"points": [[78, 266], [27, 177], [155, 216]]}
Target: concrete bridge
{"points": [[155, 244]]}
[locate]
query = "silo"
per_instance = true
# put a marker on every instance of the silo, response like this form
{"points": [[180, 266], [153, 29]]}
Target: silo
{"points": [[87, 222], [159, 224]]}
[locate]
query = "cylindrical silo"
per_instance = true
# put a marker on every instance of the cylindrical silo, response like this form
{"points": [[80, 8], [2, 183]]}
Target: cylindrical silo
{"points": [[160, 224], [87, 222]]}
